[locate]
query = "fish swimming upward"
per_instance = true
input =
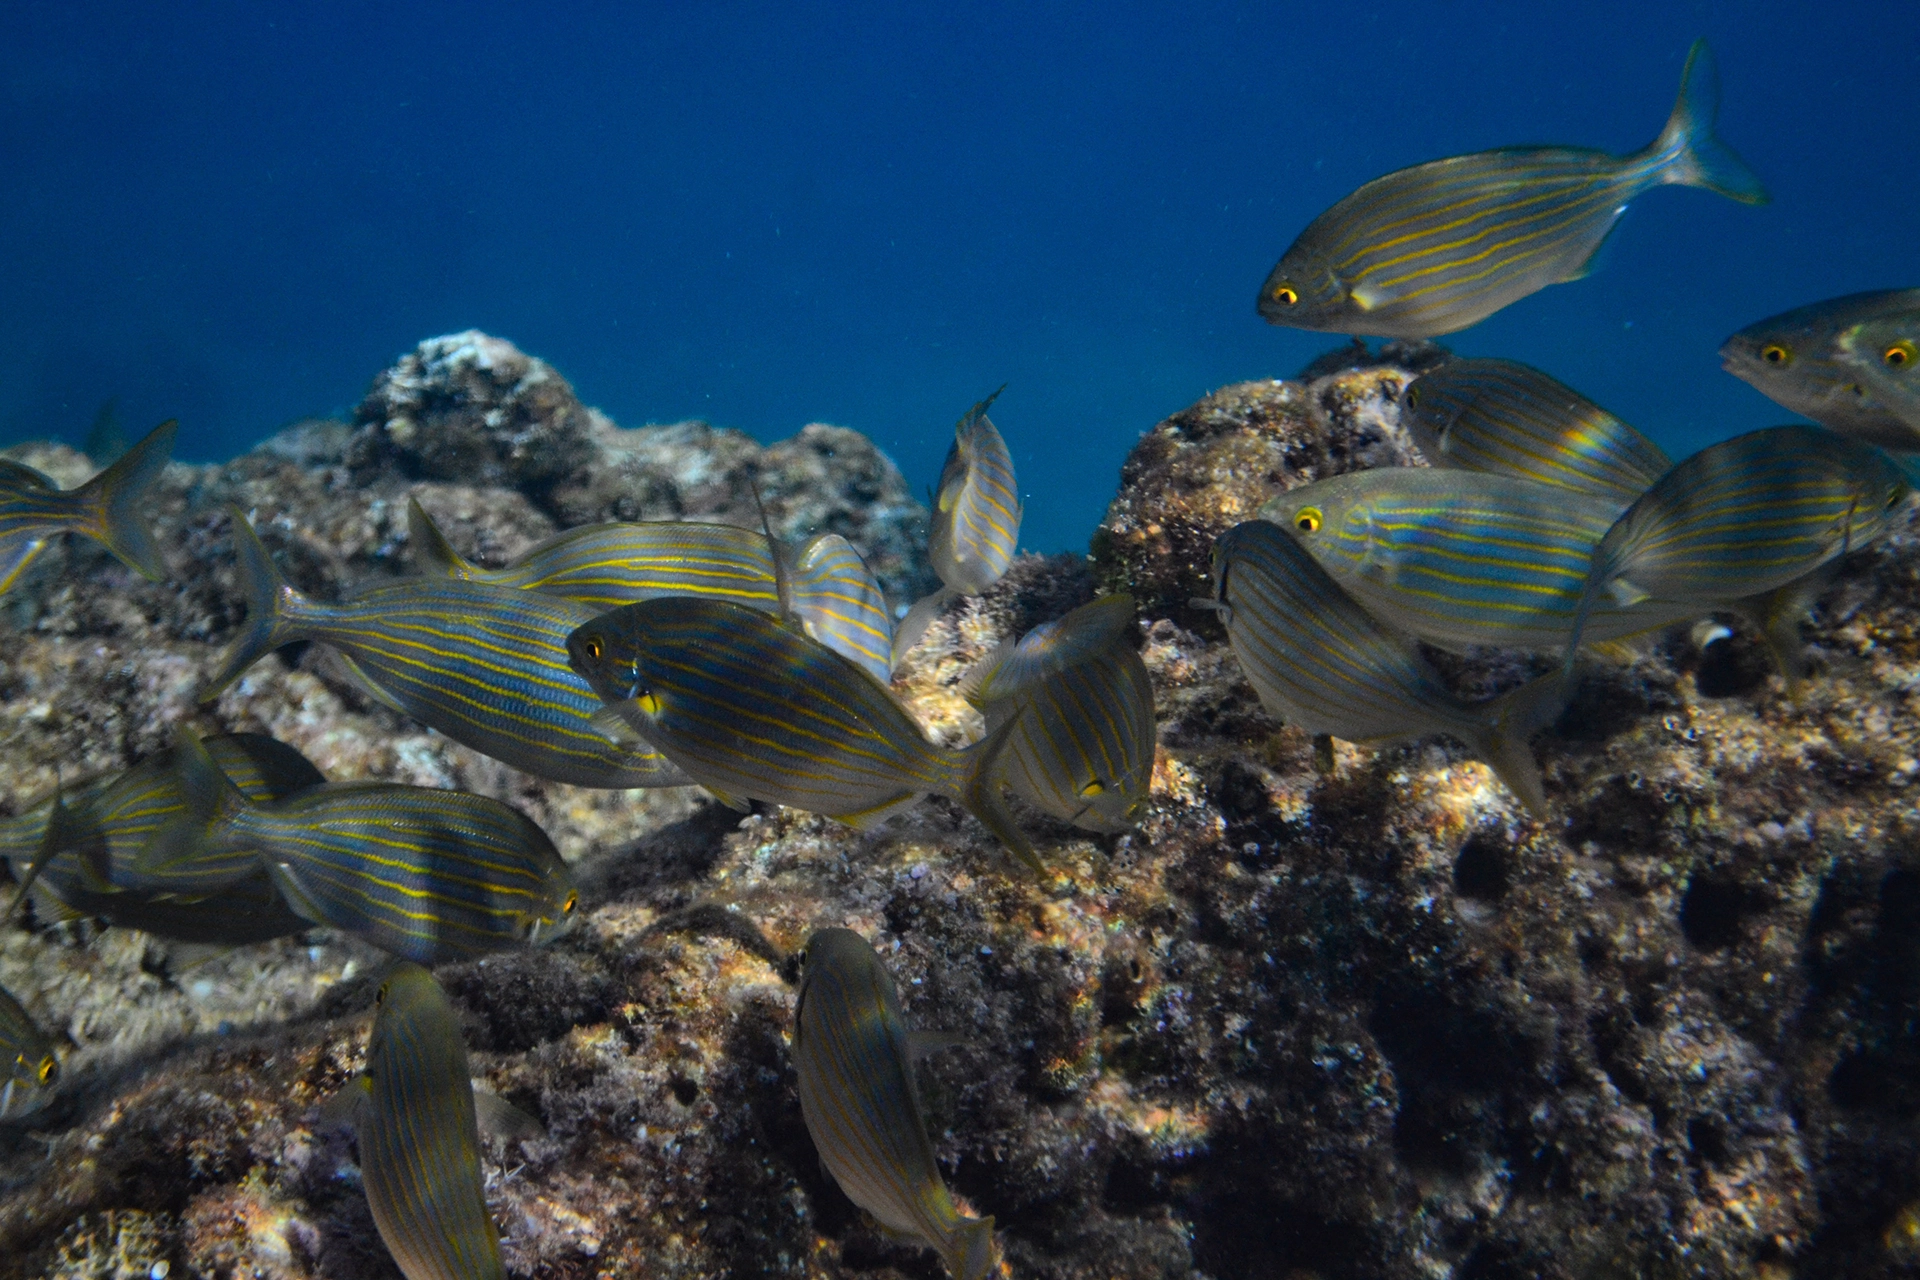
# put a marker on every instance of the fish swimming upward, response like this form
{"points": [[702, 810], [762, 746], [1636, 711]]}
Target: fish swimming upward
{"points": [[28, 1069], [1440, 246], [854, 1057], [1800, 359], [33, 510]]}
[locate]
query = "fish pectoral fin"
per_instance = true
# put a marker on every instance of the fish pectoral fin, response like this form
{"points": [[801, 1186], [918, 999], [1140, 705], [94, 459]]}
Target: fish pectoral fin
{"points": [[872, 816], [728, 799], [298, 900], [1625, 594], [344, 1109], [499, 1118], [1366, 297], [611, 723], [17, 551], [356, 676], [924, 1044]]}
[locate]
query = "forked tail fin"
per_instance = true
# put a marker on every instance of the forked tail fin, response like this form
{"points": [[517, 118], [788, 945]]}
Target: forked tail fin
{"points": [[1688, 150], [184, 855], [1508, 724], [113, 498], [267, 595], [974, 1256]]}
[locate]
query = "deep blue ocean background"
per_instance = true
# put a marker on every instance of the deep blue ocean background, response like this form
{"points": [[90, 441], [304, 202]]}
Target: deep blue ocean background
{"points": [[237, 214]]}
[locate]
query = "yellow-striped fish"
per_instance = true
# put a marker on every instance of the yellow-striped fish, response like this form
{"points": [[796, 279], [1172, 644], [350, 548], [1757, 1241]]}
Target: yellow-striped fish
{"points": [[1742, 517], [28, 1069], [1507, 418], [1798, 359], [418, 1122], [1886, 352], [427, 875], [485, 665], [1461, 558], [854, 1058], [1083, 748], [976, 521], [1443, 245], [754, 708], [1322, 663], [836, 598], [33, 510]]}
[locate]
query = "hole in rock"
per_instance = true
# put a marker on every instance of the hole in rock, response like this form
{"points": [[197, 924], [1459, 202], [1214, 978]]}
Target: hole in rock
{"points": [[1713, 911], [1483, 869]]}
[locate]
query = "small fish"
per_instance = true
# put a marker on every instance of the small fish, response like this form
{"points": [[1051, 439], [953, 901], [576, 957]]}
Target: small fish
{"points": [[424, 874], [1083, 750], [1743, 517], [754, 708], [418, 1121], [485, 665], [1506, 418], [1322, 663], [854, 1058], [1796, 360], [976, 521], [607, 565], [1443, 245], [1886, 352], [1461, 558], [28, 1070], [106, 508]]}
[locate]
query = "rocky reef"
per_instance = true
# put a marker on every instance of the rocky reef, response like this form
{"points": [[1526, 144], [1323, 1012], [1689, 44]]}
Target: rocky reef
{"points": [[1373, 1022]]}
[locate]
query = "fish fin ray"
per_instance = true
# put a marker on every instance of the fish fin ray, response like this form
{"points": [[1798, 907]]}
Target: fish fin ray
{"points": [[918, 619], [974, 686], [1689, 151], [727, 798], [1508, 726], [298, 900], [267, 594], [356, 675], [113, 497], [432, 553], [498, 1118], [873, 815], [17, 552], [611, 723]]}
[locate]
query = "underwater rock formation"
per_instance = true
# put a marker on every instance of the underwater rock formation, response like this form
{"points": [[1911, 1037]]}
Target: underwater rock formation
{"points": [[1369, 1023]]}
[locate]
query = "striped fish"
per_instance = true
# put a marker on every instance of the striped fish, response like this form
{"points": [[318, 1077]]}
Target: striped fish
{"points": [[424, 874], [1443, 245], [33, 510], [754, 708], [1460, 558], [976, 522], [28, 1070], [1886, 353], [854, 1058], [1506, 418], [485, 665], [1322, 663], [1798, 359], [1083, 749], [605, 566], [416, 1118], [1748, 515]]}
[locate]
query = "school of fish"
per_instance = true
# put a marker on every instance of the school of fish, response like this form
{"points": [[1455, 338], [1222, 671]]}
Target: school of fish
{"points": [[676, 653]]}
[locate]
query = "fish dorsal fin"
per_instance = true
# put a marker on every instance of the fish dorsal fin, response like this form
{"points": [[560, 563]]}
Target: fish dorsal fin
{"points": [[782, 582], [432, 553], [498, 1118], [977, 686]]}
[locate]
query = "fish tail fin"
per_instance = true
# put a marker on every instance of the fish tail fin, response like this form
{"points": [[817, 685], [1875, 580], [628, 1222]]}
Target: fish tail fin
{"points": [[983, 793], [267, 595], [55, 838], [1778, 613], [112, 500], [209, 796], [918, 619], [974, 1255], [433, 555], [1688, 152], [1508, 724]]}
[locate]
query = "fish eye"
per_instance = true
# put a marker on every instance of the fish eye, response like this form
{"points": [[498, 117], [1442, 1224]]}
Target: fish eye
{"points": [[1308, 520], [1092, 790], [1775, 354], [1413, 394], [48, 1068], [593, 647], [1285, 295], [573, 900], [1899, 355], [648, 701], [380, 996]]}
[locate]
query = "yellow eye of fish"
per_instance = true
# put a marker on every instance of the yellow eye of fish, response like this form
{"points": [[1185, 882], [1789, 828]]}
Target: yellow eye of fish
{"points": [[573, 900], [1899, 355], [47, 1067], [1774, 353], [593, 647], [1308, 520], [1285, 296], [648, 702], [1092, 789]]}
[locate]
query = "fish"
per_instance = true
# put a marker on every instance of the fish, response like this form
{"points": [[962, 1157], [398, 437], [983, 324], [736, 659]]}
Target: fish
{"points": [[33, 509], [607, 565], [753, 708], [853, 1056], [1462, 558], [1322, 663], [1440, 246], [1083, 750], [418, 1121], [1796, 360], [1886, 353], [424, 874], [1506, 418], [484, 664], [1747, 516], [29, 1071], [976, 522]]}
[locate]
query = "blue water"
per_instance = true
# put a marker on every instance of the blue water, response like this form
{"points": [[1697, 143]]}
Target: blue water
{"points": [[770, 216]]}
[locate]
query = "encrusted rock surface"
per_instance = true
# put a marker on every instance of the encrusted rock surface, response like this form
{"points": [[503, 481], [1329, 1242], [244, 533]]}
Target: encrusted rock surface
{"points": [[1374, 1023]]}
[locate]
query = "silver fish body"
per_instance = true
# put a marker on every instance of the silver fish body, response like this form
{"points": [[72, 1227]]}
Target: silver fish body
{"points": [[1503, 417], [1322, 663], [851, 1056], [1798, 359], [29, 1070], [33, 510], [1440, 246]]}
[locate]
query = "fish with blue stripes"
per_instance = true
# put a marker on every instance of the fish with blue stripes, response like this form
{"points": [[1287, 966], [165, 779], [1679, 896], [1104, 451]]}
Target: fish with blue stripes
{"points": [[34, 510], [1507, 418], [1083, 748], [753, 708], [1322, 663], [29, 1071], [418, 1121], [484, 664], [1462, 558], [836, 598], [976, 521], [1886, 353], [1440, 246], [425, 874], [1798, 359], [853, 1056], [1747, 516]]}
